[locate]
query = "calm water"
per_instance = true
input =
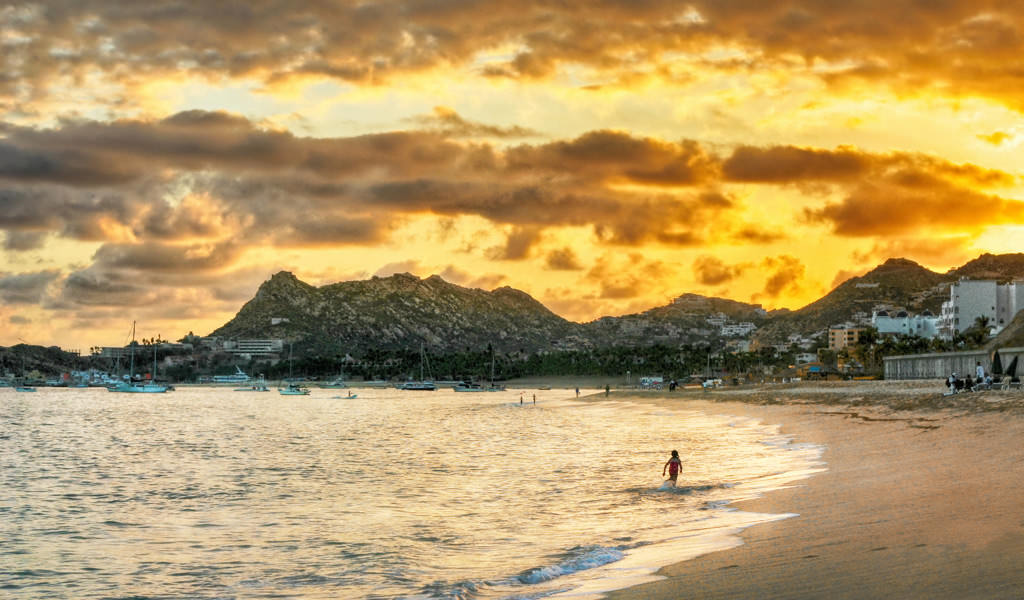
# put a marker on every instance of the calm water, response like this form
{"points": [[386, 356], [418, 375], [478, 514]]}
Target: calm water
{"points": [[207, 493]]}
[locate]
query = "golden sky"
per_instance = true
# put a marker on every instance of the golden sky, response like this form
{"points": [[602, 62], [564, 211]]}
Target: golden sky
{"points": [[160, 159]]}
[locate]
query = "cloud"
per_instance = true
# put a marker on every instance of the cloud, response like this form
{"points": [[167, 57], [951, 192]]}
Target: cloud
{"points": [[909, 206], [518, 243], [926, 249], [562, 259], [449, 123], [21, 241], [26, 288], [405, 266], [785, 274], [995, 138], [787, 164], [489, 281], [615, 156], [956, 48], [710, 270], [19, 320]]}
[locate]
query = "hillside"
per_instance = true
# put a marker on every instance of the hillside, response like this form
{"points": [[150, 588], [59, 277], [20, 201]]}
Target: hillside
{"points": [[403, 312], [397, 312], [684, 320], [896, 282]]}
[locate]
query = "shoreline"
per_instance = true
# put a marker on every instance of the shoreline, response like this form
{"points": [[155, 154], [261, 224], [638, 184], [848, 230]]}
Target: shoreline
{"points": [[920, 497]]}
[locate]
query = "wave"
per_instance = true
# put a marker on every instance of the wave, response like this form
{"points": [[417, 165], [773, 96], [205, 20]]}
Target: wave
{"points": [[578, 559]]}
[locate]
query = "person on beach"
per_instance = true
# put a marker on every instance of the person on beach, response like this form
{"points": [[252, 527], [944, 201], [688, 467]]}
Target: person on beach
{"points": [[979, 371], [673, 466]]}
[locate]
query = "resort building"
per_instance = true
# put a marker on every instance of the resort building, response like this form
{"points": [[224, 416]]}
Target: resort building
{"points": [[970, 299], [924, 325], [254, 347], [841, 337]]}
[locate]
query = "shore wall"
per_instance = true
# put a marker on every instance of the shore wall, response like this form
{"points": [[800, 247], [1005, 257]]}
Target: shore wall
{"points": [[939, 365]]}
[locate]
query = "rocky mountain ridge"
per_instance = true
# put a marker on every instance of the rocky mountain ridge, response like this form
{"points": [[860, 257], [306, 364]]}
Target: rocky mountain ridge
{"points": [[404, 312]]}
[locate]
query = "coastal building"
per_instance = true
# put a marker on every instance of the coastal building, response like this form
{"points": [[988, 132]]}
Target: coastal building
{"points": [[971, 299], [842, 337], [254, 347], [901, 322], [742, 329]]}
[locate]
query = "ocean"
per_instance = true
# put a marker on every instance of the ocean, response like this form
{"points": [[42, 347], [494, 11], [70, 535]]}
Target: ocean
{"points": [[207, 493]]}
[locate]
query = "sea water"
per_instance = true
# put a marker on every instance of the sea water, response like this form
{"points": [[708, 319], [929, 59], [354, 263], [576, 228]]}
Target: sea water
{"points": [[210, 493]]}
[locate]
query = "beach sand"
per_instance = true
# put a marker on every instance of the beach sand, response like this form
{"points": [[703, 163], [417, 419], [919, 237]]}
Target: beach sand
{"points": [[923, 497]]}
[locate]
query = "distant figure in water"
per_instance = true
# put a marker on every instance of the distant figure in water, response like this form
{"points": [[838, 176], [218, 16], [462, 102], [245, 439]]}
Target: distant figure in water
{"points": [[607, 388], [577, 392], [673, 466], [535, 398]]}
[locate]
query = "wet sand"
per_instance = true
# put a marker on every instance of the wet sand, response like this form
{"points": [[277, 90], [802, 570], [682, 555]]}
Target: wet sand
{"points": [[923, 497]]}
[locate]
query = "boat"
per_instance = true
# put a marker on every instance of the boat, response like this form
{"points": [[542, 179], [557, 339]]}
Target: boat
{"points": [[417, 386], [238, 376], [130, 386], [260, 385], [349, 397], [469, 386], [24, 388], [293, 389], [423, 385]]}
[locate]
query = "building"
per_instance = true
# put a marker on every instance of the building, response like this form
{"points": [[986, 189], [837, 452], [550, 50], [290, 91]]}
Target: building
{"points": [[254, 347], [971, 299], [901, 322], [841, 337], [738, 329]]}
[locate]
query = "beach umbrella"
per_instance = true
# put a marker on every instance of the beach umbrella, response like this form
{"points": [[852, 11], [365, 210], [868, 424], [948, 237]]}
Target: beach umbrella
{"points": [[997, 364], [1011, 369]]}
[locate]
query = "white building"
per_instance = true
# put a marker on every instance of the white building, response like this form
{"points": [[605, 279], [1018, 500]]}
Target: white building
{"points": [[254, 347], [924, 325], [738, 329], [970, 299]]}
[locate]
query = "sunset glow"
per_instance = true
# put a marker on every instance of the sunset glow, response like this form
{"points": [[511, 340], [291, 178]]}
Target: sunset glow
{"points": [[159, 160]]}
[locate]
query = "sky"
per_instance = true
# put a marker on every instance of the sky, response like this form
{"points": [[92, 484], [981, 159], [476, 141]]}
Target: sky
{"points": [[159, 160]]}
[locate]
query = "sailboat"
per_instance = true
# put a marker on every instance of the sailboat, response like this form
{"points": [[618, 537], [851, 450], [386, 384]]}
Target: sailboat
{"points": [[260, 385], [130, 387], [293, 389], [422, 385], [472, 386]]}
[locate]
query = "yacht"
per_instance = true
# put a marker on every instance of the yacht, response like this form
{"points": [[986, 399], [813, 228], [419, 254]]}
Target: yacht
{"points": [[130, 386], [238, 376], [293, 389]]}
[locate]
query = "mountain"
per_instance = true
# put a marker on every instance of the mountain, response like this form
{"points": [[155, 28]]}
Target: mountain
{"points": [[684, 319], [397, 312], [897, 282], [402, 312]]}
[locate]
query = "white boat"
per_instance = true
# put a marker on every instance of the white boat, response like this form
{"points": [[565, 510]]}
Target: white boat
{"points": [[24, 388], [417, 386], [137, 388], [423, 385], [130, 387], [293, 389], [238, 377]]}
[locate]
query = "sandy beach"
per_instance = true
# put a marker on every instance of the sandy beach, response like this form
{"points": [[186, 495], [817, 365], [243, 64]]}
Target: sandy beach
{"points": [[923, 497]]}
